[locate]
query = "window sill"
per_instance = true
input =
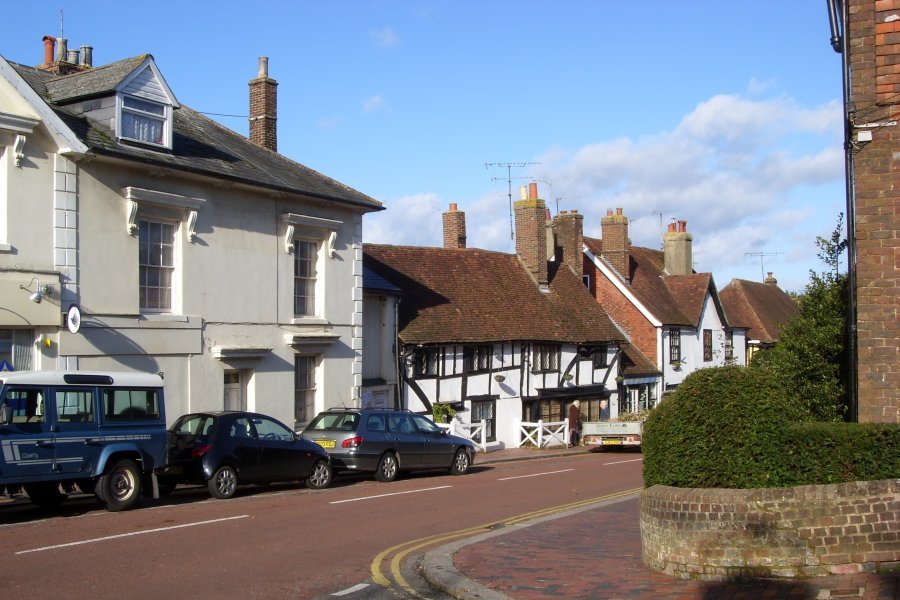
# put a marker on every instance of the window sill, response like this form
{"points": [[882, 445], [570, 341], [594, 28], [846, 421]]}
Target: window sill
{"points": [[309, 321], [5, 247], [166, 317]]}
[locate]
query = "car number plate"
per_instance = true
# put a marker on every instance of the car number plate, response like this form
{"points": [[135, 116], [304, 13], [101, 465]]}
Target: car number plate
{"points": [[612, 442], [326, 443]]}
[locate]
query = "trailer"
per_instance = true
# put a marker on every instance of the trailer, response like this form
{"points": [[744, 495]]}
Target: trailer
{"points": [[612, 433]]}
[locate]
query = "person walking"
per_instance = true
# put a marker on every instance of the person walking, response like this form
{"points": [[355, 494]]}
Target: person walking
{"points": [[574, 423]]}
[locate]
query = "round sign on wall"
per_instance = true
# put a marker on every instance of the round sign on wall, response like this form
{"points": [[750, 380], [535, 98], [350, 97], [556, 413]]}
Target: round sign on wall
{"points": [[73, 318]]}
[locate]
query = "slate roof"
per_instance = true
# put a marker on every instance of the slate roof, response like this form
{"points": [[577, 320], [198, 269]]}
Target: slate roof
{"points": [[94, 82], [199, 144], [762, 307], [673, 299], [478, 296]]}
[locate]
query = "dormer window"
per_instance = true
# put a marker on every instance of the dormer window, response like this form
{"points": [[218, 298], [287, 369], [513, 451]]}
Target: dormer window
{"points": [[145, 121]]}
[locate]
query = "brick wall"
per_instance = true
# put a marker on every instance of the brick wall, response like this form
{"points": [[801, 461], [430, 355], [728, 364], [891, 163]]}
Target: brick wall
{"points": [[264, 113], [569, 230], [806, 531], [616, 245], [874, 40], [641, 332], [454, 228], [531, 234]]}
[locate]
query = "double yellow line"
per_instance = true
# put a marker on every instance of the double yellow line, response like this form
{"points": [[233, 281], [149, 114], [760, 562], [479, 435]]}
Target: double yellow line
{"points": [[401, 551]]}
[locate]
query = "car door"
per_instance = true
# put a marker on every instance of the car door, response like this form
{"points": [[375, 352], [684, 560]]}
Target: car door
{"points": [[438, 448], [408, 441], [281, 457], [78, 444], [242, 443], [27, 441]]}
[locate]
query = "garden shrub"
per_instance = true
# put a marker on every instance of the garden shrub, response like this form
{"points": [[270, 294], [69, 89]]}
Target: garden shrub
{"points": [[723, 427]]}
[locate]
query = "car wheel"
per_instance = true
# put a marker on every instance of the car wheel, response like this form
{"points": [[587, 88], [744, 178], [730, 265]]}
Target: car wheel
{"points": [[461, 462], [223, 484], [387, 468], [45, 495], [320, 477], [120, 487]]}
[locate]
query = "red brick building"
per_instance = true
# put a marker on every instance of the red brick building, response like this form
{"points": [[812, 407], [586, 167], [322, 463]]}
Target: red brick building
{"points": [[873, 40]]}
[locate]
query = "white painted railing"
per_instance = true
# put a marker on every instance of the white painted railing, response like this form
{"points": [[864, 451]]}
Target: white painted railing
{"points": [[477, 432], [543, 434]]}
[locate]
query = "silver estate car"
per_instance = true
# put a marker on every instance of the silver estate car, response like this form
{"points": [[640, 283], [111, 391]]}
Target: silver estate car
{"points": [[387, 441]]}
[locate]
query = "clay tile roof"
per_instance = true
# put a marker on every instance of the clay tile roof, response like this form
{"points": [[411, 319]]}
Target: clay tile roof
{"points": [[761, 307], [635, 363], [473, 296]]}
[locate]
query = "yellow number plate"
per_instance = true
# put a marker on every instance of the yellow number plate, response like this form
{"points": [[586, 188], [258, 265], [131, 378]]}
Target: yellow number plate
{"points": [[326, 443], [612, 442]]}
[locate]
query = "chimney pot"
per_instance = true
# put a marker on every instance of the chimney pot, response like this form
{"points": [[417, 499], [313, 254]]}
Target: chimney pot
{"points": [[87, 59], [453, 206], [49, 48], [72, 56], [532, 191], [574, 211], [618, 211], [62, 50], [682, 225], [609, 212], [523, 192], [263, 71], [563, 212]]}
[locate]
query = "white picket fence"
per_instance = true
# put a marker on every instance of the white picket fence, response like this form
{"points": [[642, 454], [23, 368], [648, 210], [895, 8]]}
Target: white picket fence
{"points": [[473, 431], [543, 434]]}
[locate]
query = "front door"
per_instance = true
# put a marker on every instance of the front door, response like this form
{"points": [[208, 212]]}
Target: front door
{"points": [[234, 397], [27, 442]]}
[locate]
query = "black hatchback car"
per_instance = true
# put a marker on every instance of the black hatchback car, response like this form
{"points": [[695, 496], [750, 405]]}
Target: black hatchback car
{"points": [[387, 441], [225, 449]]}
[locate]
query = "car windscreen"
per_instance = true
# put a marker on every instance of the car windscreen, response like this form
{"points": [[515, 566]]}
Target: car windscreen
{"points": [[194, 425], [334, 422]]}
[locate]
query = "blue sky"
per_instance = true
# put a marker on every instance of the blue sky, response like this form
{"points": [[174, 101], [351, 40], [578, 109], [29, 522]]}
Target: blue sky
{"points": [[724, 114]]}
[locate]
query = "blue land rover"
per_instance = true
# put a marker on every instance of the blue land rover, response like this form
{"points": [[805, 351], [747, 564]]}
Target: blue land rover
{"points": [[102, 432]]}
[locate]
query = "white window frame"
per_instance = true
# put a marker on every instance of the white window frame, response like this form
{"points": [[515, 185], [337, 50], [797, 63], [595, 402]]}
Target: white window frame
{"points": [[309, 392], [317, 230], [173, 268], [314, 279], [165, 119]]}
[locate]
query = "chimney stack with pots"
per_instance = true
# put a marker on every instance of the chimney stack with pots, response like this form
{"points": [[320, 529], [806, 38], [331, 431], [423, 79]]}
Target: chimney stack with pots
{"points": [[568, 229], [531, 233], [678, 254], [770, 280], [454, 228], [264, 108], [616, 247]]}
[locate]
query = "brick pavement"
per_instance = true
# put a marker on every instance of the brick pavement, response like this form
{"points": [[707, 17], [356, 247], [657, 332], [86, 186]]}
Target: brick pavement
{"points": [[596, 553]]}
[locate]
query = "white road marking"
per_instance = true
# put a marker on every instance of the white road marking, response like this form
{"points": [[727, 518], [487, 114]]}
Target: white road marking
{"points": [[393, 494], [350, 590], [622, 462], [123, 535], [535, 475]]}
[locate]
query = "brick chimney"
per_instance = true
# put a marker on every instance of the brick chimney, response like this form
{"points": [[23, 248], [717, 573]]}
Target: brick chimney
{"points": [[678, 255], [264, 108], [616, 245], [531, 233], [454, 228], [568, 229]]}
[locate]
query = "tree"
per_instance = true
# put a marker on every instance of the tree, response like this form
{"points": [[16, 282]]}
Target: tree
{"points": [[811, 358]]}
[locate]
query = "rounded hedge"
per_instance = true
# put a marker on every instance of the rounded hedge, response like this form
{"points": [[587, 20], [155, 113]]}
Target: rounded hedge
{"points": [[723, 427]]}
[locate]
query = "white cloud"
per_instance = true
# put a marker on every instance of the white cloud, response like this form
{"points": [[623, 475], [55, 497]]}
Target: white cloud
{"points": [[749, 175], [373, 103], [409, 221], [385, 37]]}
